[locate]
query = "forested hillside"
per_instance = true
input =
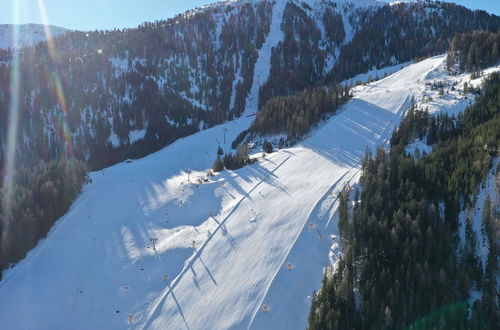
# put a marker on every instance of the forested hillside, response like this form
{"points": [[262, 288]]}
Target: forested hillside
{"points": [[106, 96], [32, 199], [404, 264], [406, 31], [474, 51], [294, 115]]}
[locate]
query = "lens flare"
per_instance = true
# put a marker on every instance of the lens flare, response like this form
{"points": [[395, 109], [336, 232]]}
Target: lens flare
{"points": [[63, 126], [13, 123]]}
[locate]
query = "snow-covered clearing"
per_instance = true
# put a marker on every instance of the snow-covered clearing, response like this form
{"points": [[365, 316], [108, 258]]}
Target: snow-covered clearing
{"points": [[243, 250], [452, 100], [420, 145], [447, 96]]}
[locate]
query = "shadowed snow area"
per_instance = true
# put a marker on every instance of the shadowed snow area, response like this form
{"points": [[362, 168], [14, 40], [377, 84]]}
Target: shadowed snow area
{"points": [[243, 250]]}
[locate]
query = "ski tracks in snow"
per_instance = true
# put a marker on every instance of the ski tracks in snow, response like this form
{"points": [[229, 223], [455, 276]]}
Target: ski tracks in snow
{"points": [[156, 310], [317, 217]]}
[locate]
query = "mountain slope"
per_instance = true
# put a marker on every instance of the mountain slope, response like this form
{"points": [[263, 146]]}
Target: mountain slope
{"points": [[253, 244], [420, 238], [29, 34], [130, 92]]}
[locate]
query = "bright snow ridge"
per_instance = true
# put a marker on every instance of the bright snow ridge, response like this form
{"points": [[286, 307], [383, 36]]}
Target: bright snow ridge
{"points": [[229, 246], [29, 34]]}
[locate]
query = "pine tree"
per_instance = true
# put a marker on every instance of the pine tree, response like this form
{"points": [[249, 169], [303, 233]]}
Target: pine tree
{"points": [[344, 213], [487, 223], [267, 147], [450, 61], [218, 165], [495, 52], [281, 143]]}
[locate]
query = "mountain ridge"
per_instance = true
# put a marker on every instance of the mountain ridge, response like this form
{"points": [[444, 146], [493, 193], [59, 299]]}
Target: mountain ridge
{"points": [[29, 34]]}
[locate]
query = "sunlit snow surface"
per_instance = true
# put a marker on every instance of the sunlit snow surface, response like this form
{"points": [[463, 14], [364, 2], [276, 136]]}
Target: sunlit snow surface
{"points": [[230, 246]]}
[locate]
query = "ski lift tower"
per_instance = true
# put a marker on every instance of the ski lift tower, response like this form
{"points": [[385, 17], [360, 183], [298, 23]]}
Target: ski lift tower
{"points": [[225, 131], [153, 240]]}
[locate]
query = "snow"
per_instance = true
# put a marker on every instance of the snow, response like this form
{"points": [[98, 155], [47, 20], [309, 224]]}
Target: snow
{"points": [[374, 74], [247, 227], [452, 101], [237, 79], [474, 296], [262, 67], [29, 34], [348, 28], [419, 145], [136, 135], [362, 3], [100, 246], [475, 213], [120, 65], [114, 139], [394, 3]]}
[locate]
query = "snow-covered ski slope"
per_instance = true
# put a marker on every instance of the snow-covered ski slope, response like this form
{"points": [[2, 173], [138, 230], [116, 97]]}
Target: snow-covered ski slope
{"points": [[238, 251]]}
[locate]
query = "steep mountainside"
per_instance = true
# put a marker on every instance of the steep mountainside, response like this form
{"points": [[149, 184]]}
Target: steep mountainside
{"points": [[420, 238], [106, 96], [28, 34], [243, 249]]}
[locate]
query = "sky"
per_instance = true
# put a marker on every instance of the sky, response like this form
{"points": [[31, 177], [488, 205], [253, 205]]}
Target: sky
{"points": [[109, 14]]}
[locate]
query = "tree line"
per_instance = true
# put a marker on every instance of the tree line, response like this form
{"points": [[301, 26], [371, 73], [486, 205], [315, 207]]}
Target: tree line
{"points": [[474, 51], [296, 114]]}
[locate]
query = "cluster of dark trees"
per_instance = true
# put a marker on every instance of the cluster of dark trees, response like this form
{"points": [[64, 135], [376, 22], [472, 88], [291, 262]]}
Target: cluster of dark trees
{"points": [[243, 134], [420, 125], [403, 266], [231, 161], [294, 115], [474, 51], [267, 147], [31, 200]]}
